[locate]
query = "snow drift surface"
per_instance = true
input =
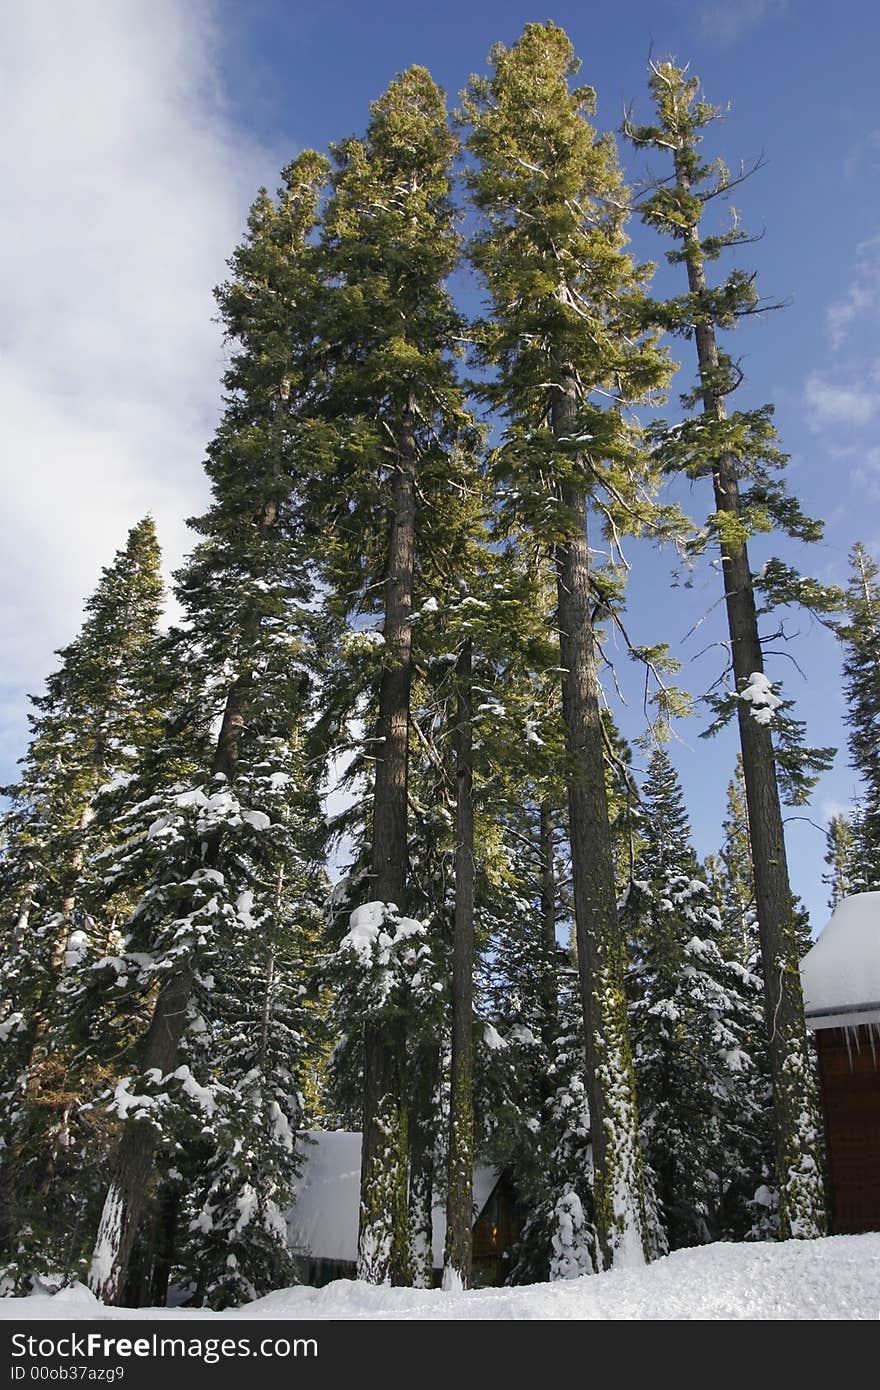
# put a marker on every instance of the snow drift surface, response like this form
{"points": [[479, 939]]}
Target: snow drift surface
{"points": [[838, 1277]]}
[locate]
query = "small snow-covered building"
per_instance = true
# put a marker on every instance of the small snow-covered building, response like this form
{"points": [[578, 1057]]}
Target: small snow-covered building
{"points": [[841, 980], [323, 1222]]}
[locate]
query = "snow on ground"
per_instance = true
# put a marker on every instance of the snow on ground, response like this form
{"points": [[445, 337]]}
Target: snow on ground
{"points": [[838, 1278]]}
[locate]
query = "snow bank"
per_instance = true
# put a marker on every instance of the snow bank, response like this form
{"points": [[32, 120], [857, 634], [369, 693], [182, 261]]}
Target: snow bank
{"points": [[834, 1278], [841, 973]]}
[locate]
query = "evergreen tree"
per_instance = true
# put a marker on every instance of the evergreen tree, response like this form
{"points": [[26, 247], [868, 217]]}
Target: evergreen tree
{"points": [[738, 890], [501, 699], [570, 361], [860, 637], [398, 410], [691, 1013], [459, 1204], [218, 814], [99, 714], [733, 450], [534, 1112], [260, 1034], [840, 856]]}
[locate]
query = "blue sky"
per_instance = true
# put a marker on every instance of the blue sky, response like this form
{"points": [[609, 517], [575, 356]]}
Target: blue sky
{"points": [[136, 137]]}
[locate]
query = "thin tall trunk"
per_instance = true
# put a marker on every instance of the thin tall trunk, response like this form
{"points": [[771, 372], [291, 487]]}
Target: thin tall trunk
{"points": [[798, 1143], [24, 913], [164, 1240], [869, 597], [269, 996], [457, 1269], [130, 1185], [421, 1164], [549, 991], [383, 1242], [268, 1001], [618, 1189]]}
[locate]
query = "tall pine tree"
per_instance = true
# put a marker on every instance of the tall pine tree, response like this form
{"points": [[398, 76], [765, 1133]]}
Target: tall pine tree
{"points": [[398, 410], [693, 1016], [214, 838], [843, 876], [100, 714], [860, 637], [570, 362], [738, 452]]}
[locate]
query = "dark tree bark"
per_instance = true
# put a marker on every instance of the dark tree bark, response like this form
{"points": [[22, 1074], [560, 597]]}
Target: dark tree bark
{"points": [[383, 1238], [460, 1190], [422, 1130], [130, 1185], [163, 1243], [549, 989], [618, 1189], [802, 1203]]}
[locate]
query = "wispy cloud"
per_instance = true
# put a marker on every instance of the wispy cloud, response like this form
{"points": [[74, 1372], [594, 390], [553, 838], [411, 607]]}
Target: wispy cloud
{"points": [[123, 188], [725, 22], [864, 156], [862, 299], [866, 471], [831, 402]]}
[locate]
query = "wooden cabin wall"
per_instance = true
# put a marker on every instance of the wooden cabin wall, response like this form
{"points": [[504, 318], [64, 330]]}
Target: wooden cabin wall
{"points": [[849, 1069]]}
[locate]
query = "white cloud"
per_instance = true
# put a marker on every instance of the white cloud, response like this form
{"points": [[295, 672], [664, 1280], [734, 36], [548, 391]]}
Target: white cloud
{"points": [[834, 403], [862, 299], [725, 22], [866, 472], [123, 188], [863, 156]]}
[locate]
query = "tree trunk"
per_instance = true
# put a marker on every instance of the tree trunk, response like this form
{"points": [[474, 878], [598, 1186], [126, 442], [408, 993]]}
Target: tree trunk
{"points": [[383, 1239], [618, 1190], [24, 912], [163, 1243], [268, 1002], [129, 1187], [549, 989], [71, 887], [421, 1165], [798, 1144], [460, 1191]]}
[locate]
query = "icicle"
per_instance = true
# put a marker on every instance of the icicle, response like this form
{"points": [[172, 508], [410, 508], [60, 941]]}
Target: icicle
{"points": [[848, 1045], [873, 1048]]}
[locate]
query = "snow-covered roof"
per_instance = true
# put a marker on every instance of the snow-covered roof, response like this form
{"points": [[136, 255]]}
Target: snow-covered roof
{"points": [[323, 1221], [841, 973]]}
